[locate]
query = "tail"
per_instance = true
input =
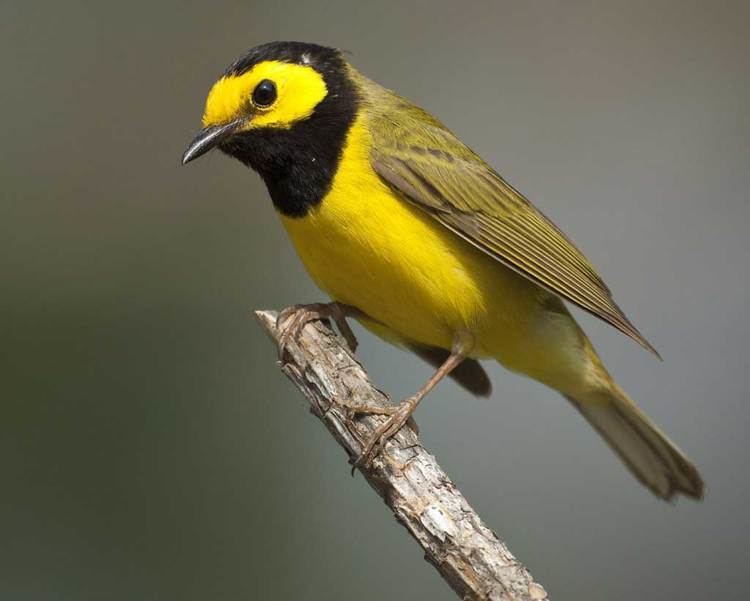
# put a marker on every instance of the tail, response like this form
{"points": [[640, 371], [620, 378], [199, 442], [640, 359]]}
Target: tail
{"points": [[642, 446]]}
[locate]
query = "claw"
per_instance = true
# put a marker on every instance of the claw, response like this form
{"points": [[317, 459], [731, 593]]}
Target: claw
{"points": [[403, 413], [376, 443], [293, 319]]}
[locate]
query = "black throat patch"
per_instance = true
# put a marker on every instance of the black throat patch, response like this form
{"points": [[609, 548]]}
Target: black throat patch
{"points": [[298, 164]]}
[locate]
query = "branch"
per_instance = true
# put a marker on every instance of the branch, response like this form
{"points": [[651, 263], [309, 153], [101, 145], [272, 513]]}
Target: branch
{"points": [[469, 556]]}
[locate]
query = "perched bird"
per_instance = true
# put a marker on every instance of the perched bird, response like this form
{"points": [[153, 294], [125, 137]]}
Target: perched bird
{"points": [[410, 232]]}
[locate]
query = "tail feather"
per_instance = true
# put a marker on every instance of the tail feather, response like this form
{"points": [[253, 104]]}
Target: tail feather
{"points": [[652, 458]]}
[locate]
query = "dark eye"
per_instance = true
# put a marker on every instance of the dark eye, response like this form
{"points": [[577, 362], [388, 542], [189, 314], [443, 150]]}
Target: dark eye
{"points": [[264, 93]]}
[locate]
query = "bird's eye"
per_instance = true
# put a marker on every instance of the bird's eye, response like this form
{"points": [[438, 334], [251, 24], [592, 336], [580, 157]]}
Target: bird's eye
{"points": [[264, 93]]}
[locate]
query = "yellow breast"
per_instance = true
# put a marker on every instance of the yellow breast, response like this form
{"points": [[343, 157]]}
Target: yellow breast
{"points": [[368, 248]]}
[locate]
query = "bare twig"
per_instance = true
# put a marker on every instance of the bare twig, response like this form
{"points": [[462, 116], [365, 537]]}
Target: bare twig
{"points": [[469, 556]]}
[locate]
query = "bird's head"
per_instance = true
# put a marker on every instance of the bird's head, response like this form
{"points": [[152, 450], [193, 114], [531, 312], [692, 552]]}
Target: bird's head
{"points": [[275, 100]]}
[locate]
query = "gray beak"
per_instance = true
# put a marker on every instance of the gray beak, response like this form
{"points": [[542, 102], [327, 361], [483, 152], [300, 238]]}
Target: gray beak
{"points": [[209, 139]]}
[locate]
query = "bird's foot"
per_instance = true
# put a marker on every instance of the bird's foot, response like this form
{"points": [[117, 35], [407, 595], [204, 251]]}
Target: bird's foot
{"points": [[399, 416], [291, 320]]}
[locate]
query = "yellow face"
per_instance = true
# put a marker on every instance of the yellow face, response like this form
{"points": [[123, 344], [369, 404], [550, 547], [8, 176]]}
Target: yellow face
{"points": [[271, 94]]}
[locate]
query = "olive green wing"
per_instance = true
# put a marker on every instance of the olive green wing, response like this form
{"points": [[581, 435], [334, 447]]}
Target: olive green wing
{"points": [[435, 171]]}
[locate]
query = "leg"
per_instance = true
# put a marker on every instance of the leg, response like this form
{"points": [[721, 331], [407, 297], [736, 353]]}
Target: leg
{"points": [[403, 411], [292, 319]]}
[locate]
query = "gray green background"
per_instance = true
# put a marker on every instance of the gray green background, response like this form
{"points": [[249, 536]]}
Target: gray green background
{"points": [[150, 450]]}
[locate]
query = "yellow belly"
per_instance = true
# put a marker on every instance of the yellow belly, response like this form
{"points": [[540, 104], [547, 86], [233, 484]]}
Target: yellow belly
{"points": [[366, 247]]}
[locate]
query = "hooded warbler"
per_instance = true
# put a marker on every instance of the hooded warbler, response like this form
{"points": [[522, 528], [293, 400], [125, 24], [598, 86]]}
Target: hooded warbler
{"points": [[410, 232]]}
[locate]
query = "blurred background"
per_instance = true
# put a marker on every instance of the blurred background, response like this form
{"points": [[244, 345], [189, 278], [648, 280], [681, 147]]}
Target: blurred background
{"points": [[149, 449]]}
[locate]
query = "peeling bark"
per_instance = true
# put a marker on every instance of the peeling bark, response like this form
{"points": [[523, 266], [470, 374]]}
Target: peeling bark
{"points": [[470, 557]]}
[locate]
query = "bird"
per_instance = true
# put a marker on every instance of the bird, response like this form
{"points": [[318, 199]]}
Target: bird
{"points": [[412, 234]]}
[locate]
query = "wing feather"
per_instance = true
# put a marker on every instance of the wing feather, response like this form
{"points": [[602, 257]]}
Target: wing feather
{"points": [[430, 168]]}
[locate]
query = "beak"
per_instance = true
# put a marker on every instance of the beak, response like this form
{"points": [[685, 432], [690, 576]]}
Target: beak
{"points": [[209, 139]]}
